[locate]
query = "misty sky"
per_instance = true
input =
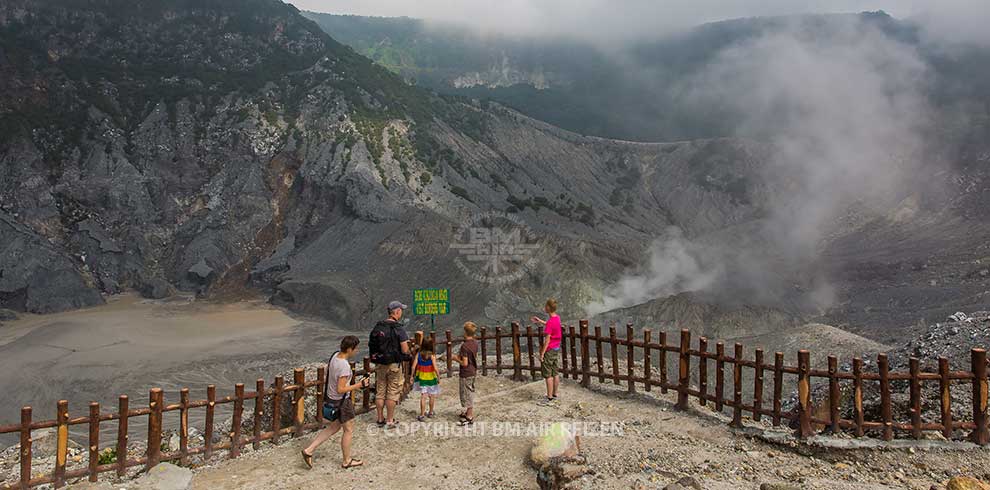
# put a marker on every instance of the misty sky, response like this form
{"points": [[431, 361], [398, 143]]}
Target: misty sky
{"points": [[612, 20]]}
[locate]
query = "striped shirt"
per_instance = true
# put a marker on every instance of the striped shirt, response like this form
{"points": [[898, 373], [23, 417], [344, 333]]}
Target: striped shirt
{"points": [[426, 372]]}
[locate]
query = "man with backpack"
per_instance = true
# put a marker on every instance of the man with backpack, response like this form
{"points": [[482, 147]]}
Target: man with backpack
{"points": [[388, 346]]}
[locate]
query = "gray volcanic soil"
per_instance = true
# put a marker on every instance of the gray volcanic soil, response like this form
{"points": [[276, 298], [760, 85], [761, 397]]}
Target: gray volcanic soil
{"points": [[131, 345]]}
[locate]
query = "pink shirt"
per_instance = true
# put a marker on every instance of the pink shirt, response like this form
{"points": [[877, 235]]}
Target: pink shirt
{"points": [[554, 330]]}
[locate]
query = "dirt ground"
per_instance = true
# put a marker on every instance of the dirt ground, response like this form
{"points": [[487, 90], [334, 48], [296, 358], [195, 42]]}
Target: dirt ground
{"points": [[649, 446]]}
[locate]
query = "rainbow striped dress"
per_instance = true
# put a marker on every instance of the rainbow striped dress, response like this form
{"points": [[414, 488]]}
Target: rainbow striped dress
{"points": [[426, 380]]}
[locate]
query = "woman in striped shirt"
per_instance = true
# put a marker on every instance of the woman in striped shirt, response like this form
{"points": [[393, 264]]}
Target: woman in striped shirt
{"points": [[426, 379]]}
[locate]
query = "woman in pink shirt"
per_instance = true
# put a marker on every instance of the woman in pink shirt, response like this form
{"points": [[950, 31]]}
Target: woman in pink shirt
{"points": [[550, 354]]}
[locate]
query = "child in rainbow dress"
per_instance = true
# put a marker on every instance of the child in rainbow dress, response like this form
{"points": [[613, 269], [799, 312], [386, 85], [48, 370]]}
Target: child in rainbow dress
{"points": [[426, 379]]}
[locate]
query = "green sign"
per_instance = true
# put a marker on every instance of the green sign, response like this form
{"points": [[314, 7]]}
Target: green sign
{"points": [[431, 301]]}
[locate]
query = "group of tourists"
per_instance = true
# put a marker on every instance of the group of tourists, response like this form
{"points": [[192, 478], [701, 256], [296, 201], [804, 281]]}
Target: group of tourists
{"points": [[389, 347]]}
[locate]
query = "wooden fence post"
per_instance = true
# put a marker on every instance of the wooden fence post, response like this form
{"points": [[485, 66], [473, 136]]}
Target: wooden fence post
{"points": [[235, 423], [737, 387], [833, 394], [703, 371], [615, 354], [259, 410], [647, 368], [684, 373], [980, 434], [122, 407], [915, 394], [211, 405], [62, 442], [484, 352], [277, 409], [599, 357], [448, 353], [883, 369], [94, 441], [184, 426], [858, 396], [778, 385], [516, 354], [155, 399], [805, 428], [25, 455], [366, 393], [498, 350], [664, 382], [299, 399], [574, 359], [719, 376], [945, 385], [585, 353], [530, 353], [630, 358], [758, 387], [563, 352]]}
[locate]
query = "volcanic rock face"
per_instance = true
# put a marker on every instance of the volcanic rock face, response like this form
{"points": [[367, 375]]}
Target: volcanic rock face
{"points": [[36, 276], [226, 144]]}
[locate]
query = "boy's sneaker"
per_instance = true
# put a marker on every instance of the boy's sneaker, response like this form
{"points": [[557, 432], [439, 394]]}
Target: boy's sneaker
{"points": [[429, 415], [420, 418]]}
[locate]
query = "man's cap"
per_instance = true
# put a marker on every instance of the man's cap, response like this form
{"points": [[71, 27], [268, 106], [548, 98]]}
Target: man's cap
{"points": [[396, 305]]}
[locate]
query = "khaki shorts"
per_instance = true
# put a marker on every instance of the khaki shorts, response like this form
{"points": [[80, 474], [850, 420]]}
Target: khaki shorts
{"points": [[549, 365], [388, 381], [467, 392]]}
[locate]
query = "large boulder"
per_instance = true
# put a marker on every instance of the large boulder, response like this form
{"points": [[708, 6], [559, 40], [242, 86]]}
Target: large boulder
{"points": [[44, 443], [165, 476], [155, 288], [557, 459], [966, 483]]}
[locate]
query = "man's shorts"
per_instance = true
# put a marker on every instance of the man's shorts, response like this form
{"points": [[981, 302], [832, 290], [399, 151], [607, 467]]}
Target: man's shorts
{"points": [[549, 365], [467, 392], [388, 381]]}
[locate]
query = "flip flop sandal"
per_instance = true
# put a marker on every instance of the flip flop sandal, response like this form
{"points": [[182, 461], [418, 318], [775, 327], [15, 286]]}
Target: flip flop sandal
{"points": [[420, 418], [308, 459], [353, 463], [466, 421]]}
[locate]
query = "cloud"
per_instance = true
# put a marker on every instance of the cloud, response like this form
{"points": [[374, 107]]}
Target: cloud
{"points": [[610, 21]]}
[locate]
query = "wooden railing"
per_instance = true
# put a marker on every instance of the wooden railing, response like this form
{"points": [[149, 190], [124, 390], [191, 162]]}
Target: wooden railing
{"points": [[638, 353]]}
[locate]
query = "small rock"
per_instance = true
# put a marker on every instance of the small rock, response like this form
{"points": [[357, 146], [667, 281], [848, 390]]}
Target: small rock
{"points": [[685, 483], [779, 486]]}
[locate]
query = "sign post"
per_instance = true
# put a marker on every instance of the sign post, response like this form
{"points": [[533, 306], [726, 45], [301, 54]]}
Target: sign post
{"points": [[431, 302]]}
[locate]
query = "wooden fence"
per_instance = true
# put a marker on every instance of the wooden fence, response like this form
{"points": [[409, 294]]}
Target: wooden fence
{"points": [[521, 357]]}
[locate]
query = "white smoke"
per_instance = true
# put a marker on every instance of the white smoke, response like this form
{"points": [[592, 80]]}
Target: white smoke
{"points": [[675, 264], [846, 117]]}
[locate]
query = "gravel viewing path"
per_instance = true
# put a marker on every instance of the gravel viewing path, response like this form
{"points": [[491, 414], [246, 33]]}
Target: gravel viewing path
{"points": [[657, 446]]}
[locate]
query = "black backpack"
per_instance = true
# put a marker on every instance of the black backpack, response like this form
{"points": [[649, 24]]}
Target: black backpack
{"points": [[383, 344]]}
